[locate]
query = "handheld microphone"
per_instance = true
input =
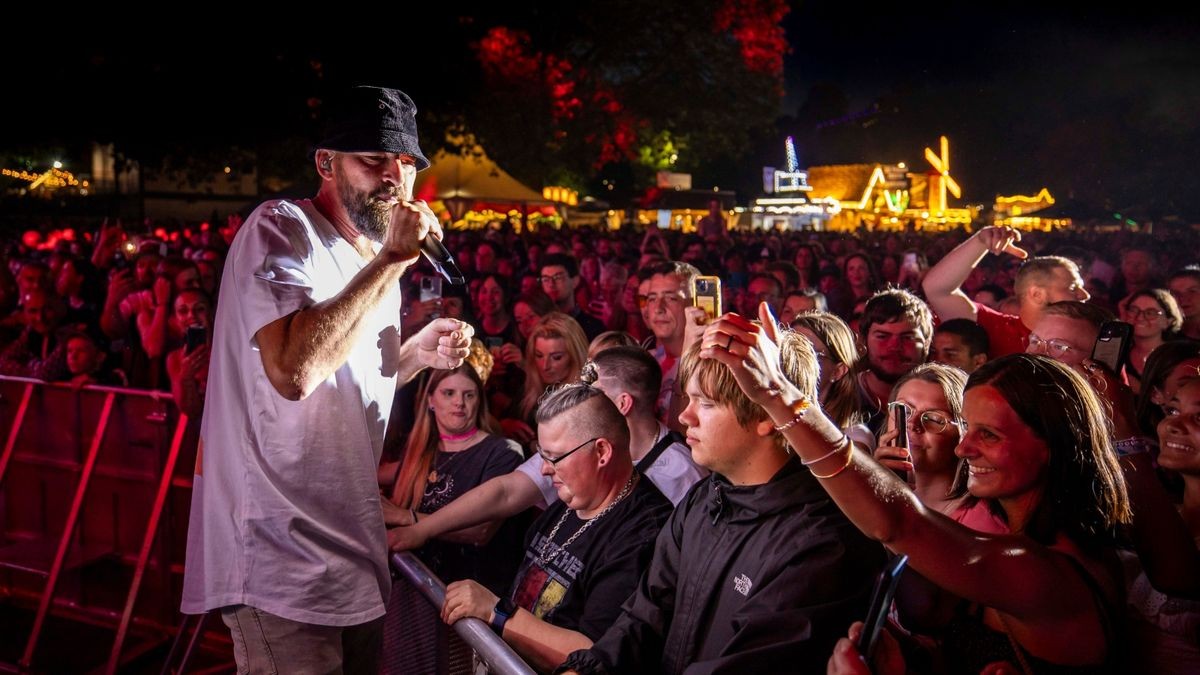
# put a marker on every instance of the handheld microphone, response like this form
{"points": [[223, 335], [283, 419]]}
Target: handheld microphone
{"points": [[439, 256]]}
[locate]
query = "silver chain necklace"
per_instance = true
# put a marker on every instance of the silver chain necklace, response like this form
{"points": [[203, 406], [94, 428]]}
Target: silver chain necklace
{"points": [[541, 559]]}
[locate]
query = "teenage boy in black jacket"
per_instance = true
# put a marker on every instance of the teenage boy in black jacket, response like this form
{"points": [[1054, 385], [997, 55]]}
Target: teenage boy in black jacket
{"points": [[757, 570]]}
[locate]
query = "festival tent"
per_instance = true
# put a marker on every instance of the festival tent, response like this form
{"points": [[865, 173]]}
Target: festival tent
{"points": [[473, 182]]}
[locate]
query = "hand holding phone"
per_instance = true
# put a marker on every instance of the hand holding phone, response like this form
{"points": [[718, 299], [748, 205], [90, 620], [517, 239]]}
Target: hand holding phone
{"points": [[881, 602], [598, 308]]}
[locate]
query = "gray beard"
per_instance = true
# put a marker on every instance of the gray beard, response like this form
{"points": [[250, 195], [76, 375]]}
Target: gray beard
{"points": [[370, 214]]}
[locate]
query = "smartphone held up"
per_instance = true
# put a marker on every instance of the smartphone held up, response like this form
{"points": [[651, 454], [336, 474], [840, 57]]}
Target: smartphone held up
{"points": [[1113, 345], [194, 337], [706, 294]]}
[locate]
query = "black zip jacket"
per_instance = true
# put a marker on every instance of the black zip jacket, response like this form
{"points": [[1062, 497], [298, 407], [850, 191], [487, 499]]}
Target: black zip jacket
{"points": [[753, 579]]}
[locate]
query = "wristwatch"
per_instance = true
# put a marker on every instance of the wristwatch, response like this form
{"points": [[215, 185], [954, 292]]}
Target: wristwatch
{"points": [[501, 614]]}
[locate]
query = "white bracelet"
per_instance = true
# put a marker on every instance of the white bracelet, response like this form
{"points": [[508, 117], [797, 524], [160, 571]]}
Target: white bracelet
{"points": [[841, 447]]}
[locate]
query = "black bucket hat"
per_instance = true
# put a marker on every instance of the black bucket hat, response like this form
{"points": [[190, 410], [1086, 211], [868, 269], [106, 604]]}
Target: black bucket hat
{"points": [[373, 119]]}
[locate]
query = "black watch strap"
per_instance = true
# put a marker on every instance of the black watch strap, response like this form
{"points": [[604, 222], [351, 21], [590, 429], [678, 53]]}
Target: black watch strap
{"points": [[501, 614]]}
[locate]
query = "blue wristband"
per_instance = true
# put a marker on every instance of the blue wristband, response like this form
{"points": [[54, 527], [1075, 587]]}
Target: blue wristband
{"points": [[1134, 445], [501, 613]]}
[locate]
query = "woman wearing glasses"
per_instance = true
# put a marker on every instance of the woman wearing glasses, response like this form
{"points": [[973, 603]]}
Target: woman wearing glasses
{"points": [[1156, 318], [932, 393]]}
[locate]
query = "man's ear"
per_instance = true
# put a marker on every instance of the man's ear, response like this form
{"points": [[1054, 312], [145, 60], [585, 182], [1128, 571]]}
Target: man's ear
{"points": [[1037, 294], [604, 451], [979, 359], [840, 370], [324, 162], [765, 428], [624, 403]]}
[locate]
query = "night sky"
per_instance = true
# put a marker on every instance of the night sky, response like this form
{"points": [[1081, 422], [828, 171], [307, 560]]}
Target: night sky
{"points": [[1084, 101], [1091, 104]]}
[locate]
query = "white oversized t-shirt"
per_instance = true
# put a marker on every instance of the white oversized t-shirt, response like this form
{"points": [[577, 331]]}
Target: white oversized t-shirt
{"points": [[285, 511]]}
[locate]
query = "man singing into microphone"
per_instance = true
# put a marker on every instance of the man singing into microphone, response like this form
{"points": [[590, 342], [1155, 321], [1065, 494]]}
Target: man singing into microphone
{"points": [[287, 536]]}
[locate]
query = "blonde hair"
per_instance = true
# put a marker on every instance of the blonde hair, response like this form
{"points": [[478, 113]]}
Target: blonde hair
{"points": [[553, 326], [797, 360], [842, 403]]}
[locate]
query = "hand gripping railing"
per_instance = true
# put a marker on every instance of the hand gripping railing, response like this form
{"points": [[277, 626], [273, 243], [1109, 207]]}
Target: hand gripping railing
{"points": [[499, 657]]}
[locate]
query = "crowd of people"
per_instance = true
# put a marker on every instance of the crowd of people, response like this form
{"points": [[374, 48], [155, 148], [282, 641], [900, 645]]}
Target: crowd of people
{"points": [[617, 481]]}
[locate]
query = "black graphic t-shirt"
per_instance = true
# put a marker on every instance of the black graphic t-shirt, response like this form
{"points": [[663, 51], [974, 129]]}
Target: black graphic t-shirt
{"points": [[494, 563], [582, 587]]}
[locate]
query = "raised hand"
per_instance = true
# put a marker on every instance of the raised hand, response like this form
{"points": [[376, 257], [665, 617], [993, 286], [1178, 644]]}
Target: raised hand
{"points": [[894, 457], [194, 363], [751, 352], [1000, 240], [121, 284], [162, 292], [695, 320]]}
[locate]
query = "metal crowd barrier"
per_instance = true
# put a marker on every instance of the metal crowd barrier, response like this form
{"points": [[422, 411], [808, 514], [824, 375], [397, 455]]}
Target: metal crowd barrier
{"points": [[499, 657], [86, 476]]}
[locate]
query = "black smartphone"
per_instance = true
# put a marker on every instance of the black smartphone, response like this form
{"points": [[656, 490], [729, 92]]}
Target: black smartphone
{"points": [[493, 342], [194, 337], [881, 602], [900, 420], [1113, 344]]}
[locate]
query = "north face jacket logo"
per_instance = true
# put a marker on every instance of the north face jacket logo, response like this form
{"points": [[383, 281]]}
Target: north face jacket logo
{"points": [[742, 584]]}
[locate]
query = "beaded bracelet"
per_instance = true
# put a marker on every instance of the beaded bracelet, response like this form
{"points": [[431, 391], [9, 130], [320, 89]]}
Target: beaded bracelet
{"points": [[799, 410], [1134, 445], [849, 460]]}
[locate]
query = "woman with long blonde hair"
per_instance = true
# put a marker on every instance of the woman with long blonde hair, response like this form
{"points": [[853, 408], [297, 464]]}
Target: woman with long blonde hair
{"points": [[554, 354], [837, 355]]}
